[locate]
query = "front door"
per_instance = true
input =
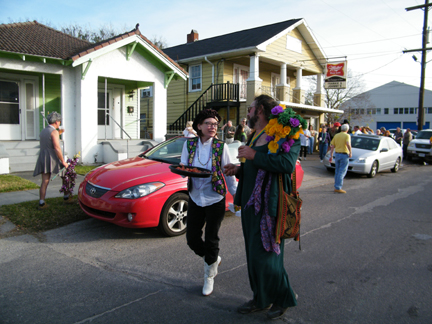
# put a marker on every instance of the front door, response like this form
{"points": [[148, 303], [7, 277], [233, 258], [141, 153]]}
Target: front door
{"points": [[105, 128]]}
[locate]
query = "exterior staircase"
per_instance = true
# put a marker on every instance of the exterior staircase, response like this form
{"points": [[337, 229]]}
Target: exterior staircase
{"points": [[22, 155], [216, 96]]}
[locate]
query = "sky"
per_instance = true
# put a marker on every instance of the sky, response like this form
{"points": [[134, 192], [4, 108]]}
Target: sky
{"points": [[371, 33]]}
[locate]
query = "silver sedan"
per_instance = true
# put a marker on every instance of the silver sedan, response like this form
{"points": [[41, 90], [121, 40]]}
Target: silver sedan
{"points": [[370, 155]]}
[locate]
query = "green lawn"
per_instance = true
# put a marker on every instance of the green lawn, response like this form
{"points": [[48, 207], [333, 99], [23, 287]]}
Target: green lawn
{"points": [[10, 183], [29, 219]]}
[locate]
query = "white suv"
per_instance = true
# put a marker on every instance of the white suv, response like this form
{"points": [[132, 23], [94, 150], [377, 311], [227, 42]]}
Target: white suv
{"points": [[421, 146]]}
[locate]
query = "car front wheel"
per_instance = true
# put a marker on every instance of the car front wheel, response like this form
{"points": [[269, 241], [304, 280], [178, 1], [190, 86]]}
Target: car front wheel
{"points": [[173, 218], [396, 166], [374, 170]]}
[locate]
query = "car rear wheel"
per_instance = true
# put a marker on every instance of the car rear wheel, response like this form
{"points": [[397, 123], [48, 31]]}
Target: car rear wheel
{"points": [[374, 170], [330, 169], [396, 166], [173, 218]]}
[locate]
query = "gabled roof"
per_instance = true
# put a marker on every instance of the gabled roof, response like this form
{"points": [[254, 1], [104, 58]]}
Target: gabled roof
{"points": [[115, 39], [245, 39], [32, 38]]}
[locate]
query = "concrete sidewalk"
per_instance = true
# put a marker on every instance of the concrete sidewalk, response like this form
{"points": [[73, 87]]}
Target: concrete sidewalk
{"points": [[9, 198]]}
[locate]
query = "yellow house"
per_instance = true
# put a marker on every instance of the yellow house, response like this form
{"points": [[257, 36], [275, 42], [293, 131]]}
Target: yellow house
{"points": [[227, 72]]}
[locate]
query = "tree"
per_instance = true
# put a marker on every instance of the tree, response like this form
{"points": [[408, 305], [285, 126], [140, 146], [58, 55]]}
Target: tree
{"points": [[159, 41], [89, 34], [349, 99]]}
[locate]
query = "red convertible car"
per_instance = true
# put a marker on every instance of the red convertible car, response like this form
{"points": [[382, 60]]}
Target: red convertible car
{"points": [[142, 191]]}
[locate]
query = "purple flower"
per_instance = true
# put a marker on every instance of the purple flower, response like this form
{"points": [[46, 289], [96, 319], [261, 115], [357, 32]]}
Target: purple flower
{"points": [[214, 169], [216, 154], [217, 144], [294, 122], [290, 142], [277, 110], [286, 146], [269, 138]]}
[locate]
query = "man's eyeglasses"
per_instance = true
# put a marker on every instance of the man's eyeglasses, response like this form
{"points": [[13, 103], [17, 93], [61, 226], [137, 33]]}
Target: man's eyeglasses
{"points": [[208, 124]]}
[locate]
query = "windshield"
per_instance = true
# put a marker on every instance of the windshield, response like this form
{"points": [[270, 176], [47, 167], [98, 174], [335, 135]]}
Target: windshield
{"points": [[424, 135], [169, 151], [364, 143]]}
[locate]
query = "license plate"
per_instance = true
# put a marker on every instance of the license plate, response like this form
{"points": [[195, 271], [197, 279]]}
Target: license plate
{"points": [[422, 155]]}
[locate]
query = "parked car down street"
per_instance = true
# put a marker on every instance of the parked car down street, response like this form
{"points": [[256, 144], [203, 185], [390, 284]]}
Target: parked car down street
{"points": [[142, 191], [421, 147], [371, 154]]}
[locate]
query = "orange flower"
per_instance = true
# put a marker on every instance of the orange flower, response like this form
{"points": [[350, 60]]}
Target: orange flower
{"points": [[273, 146]]}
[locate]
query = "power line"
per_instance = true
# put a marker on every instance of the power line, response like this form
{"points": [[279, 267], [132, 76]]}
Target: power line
{"points": [[416, 28], [379, 40], [382, 66]]}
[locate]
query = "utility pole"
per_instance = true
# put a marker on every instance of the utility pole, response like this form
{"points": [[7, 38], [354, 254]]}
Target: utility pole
{"points": [[425, 7]]}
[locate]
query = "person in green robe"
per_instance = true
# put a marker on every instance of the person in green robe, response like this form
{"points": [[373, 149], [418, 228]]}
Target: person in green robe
{"points": [[258, 177]]}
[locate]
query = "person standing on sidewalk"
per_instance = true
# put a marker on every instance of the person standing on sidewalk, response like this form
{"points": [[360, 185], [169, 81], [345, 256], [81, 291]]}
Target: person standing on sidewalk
{"points": [[304, 140], [229, 130], [341, 143], [324, 140], [407, 138], [50, 155]]}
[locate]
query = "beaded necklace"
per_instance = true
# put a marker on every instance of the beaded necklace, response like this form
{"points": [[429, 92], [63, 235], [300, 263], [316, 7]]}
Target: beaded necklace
{"points": [[197, 154], [196, 181], [255, 138]]}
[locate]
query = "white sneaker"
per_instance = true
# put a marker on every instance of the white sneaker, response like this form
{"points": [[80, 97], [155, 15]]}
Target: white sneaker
{"points": [[210, 272]]}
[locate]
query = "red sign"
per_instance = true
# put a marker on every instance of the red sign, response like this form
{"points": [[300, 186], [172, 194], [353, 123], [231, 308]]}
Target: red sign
{"points": [[337, 69]]}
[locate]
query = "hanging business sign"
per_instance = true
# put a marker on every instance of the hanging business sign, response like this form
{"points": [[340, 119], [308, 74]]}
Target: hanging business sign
{"points": [[336, 75]]}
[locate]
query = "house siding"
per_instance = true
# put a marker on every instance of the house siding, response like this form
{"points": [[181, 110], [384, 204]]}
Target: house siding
{"points": [[277, 51]]}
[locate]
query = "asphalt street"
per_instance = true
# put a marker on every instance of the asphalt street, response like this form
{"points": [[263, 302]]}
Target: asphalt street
{"points": [[365, 258]]}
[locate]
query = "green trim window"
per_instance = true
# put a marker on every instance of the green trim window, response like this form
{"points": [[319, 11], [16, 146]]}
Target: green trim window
{"points": [[195, 78]]}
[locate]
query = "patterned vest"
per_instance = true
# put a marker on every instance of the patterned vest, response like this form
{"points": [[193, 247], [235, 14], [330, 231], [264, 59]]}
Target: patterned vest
{"points": [[218, 181]]}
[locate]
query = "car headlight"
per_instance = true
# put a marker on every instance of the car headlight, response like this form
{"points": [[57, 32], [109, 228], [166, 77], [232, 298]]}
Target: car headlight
{"points": [[140, 190], [361, 160]]}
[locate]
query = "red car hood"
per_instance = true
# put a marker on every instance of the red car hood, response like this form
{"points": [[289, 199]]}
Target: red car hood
{"points": [[123, 174]]}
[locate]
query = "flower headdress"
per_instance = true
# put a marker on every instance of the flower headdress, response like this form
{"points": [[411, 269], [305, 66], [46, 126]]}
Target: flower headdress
{"points": [[284, 127]]}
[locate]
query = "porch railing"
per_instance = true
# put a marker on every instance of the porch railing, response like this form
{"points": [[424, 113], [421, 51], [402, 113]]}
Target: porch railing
{"points": [[214, 93], [270, 91], [127, 141]]}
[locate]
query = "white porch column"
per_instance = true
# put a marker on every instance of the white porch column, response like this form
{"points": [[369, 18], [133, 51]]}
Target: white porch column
{"points": [[282, 89], [283, 75], [254, 68], [319, 84], [298, 93], [319, 94], [299, 78], [159, 110]]}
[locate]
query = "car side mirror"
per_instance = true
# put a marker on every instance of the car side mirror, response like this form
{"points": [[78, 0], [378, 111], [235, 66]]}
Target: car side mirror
{"points": [[384, 150]]}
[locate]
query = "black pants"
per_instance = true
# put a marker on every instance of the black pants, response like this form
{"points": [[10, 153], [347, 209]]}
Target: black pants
{"points": [[303, 150], [210, 216]]}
